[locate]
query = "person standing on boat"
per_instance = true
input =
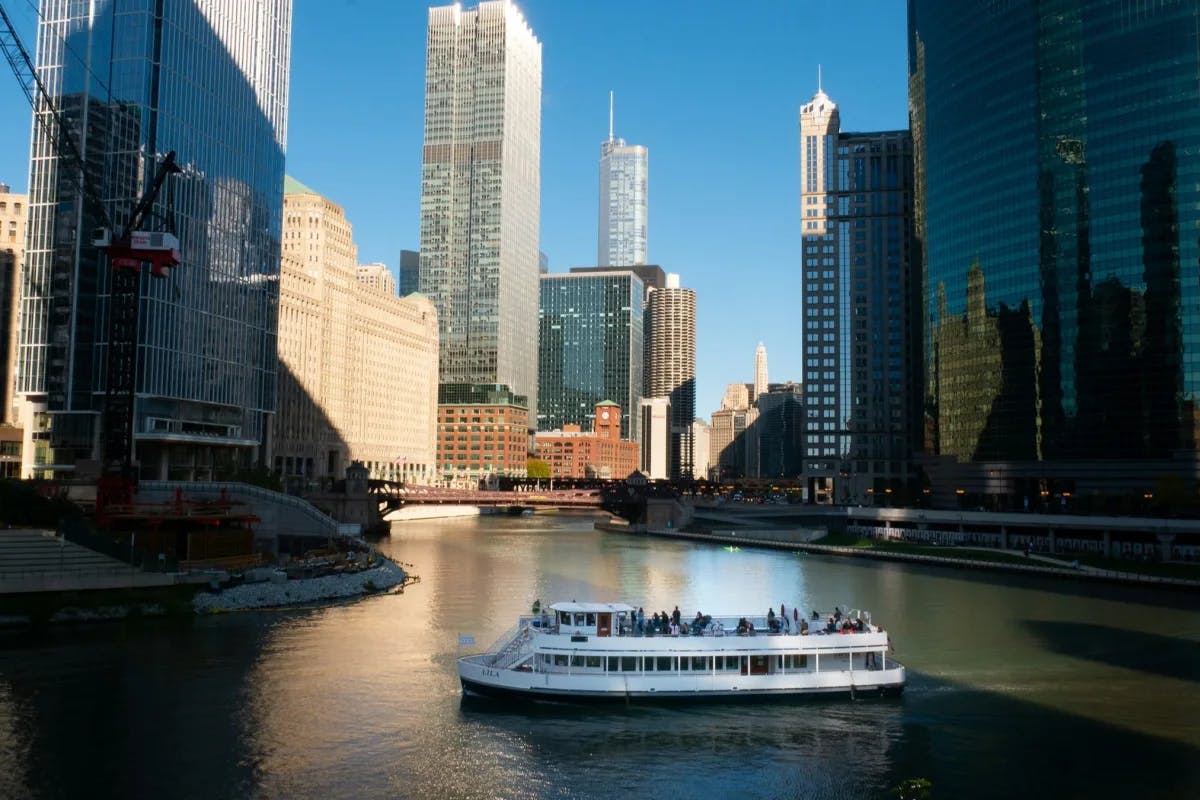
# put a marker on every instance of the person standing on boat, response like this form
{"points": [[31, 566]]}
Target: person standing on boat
{"points": [[675, 616], [641, 621]]}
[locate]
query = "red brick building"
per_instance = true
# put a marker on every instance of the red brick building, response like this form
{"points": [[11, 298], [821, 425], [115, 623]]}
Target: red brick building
{"points": [[482, 430], [600, 453]]}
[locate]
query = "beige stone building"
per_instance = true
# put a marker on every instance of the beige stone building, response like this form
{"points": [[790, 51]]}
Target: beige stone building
{"points": [[357, 364], [13, 210], [377, 276]]}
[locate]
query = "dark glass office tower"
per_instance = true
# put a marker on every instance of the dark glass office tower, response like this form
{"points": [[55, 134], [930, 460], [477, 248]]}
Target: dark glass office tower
{"points": [[590, 348], [209, 80], [1057, 145]]}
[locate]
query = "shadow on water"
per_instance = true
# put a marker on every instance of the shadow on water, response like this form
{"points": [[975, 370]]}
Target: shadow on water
{"points": [[968, 742], [1141, 651], [148, 708]]}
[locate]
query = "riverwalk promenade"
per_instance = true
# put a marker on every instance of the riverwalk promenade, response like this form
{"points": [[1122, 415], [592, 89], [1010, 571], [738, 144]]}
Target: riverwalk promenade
{"points": [[987, 558]]}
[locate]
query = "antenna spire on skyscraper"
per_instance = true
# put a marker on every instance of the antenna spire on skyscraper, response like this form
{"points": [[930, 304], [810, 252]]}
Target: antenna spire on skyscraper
{"points": [[610, 115]]}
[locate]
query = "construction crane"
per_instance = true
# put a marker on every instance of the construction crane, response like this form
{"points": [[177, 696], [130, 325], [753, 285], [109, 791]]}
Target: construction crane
{"points": [[129, 251]]}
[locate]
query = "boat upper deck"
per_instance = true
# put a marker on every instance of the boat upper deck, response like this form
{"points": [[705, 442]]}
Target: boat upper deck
{"points": [[618, 623]]}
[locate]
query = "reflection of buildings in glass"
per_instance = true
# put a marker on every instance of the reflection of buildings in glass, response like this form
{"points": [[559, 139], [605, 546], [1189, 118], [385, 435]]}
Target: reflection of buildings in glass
{"points": [[590, 348], [206, 348], [988, 394], [1092, 307]]}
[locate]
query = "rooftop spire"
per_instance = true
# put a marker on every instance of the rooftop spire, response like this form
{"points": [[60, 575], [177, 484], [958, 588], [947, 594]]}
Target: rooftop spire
{"points": [[610, 115], [818, 77]]}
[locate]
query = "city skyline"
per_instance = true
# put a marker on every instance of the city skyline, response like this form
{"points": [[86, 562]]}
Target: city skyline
{"points": [[375, 173]]}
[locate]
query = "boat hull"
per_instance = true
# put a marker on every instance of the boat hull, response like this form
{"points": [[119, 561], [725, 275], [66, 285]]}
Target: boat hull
{"points": [[472, 689], [479, 680]]}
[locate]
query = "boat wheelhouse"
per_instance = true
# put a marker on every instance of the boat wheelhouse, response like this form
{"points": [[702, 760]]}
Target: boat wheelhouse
{"points": [[597, 651]]}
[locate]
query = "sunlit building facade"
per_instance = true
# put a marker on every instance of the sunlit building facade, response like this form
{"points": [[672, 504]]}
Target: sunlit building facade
{"points": [[483, 432], [1057, 202], [670, 364], [480, 193], [206, 349], [357, 364], [858, 293], [590, 348]]}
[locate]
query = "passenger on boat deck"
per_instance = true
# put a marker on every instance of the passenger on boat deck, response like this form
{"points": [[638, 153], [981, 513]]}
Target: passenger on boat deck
{"points": [[537, 606], [787, 626], [831, 626], [804, 627], [837, 614], [675, 615], [641, 620], [815, 615], [772, 623], [796, 614]]}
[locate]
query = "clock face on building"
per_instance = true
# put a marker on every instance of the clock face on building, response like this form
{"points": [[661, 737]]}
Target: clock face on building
{"points": [[603, 415]]}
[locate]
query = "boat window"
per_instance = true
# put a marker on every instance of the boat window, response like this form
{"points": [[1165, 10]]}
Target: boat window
{"points": [[576, 661], [728, 662], [684, 663], [795, 661], [629, 664], [665, 663], [614, 664], [594, 662], [701, 663], [591, 620], [560, 661], [579, 619], [564, 617]]}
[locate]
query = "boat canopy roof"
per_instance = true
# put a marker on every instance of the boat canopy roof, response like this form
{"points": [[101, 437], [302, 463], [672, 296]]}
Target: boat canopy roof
{"points": [[594, 607]]}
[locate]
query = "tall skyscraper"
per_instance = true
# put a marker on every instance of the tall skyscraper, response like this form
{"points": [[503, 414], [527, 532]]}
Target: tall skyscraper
{"points": [[760, 371], [480, 193], [671, 365], [1057, 145], [624, 185], [858, 352], [206, 348], [590, 348]]}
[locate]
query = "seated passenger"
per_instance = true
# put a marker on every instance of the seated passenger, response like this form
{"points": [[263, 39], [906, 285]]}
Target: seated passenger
{"points": [[804, 627]]}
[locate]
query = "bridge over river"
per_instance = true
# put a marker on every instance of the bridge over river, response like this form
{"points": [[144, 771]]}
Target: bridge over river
{"points": [[392, 497]]}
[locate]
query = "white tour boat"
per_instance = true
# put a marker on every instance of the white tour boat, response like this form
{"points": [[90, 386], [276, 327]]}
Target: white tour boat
{"points": [[596, 651]]}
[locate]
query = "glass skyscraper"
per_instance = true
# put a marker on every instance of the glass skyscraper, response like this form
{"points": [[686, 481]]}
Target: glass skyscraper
{"points": [[856, 222], [1058, 202], [624, 186], [480, 193], [209, 80], [590, 348]]}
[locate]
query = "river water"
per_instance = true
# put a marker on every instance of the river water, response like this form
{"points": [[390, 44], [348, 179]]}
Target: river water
{"points": [[1017, 687]]}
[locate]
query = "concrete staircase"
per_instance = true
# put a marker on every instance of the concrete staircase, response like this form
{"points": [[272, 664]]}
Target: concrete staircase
{"points": [[39, 561]]}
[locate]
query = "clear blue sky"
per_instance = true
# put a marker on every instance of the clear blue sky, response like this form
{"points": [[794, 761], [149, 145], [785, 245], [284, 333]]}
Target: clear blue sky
{"points": [[712, 88]]}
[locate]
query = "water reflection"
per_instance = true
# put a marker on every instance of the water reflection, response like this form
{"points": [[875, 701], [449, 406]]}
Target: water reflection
{"points": [[1021, 686]]}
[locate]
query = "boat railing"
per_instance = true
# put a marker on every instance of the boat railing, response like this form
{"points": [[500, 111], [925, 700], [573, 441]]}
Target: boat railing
{"points": [[515, 644], [729, 624]]}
